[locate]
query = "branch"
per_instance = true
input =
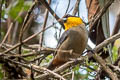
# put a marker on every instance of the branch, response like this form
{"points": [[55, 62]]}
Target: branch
{"points": [[44, 25], [67, 7], [93, 21], [24, 41], [116, 68], [106, 42], [24, 25], [117, 25], [9, 29], [6, 35], [62, 68], [112, 75], [53, 73], [76, 7], [50, 10], [34, 67]]}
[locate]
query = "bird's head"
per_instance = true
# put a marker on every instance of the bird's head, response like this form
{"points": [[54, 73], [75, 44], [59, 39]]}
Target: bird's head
{"points": [[71, 21]]}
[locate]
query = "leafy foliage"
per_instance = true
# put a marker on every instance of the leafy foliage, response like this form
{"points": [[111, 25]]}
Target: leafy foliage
{"points": [[115, 53], [15, 9], [1, 73]]}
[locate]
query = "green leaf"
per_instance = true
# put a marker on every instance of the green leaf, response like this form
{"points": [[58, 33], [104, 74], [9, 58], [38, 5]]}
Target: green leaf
{"points": [[19, 19], [76, 68], [3, 13], [115, 54], [89, 70], [26, 7], [25, 51], [1, 73], [17, 7], [14, 10]]}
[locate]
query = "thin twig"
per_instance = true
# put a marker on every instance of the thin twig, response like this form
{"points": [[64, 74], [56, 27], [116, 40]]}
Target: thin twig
{"points": [[65, 14], [45, 51], [69, 73], [61, 68], [42, 34], [24, 41], [35, 68], [4, 39], [32, 74], [9, 29], [37, 58], [24, 65], [50, 10], [67, 7], [106, 42], [116, 68], [73, 75], [117, 26], [93, 22], [112, 75], [44, 25], [24, 23], [76, 7], [52, 72], [89, 5]]}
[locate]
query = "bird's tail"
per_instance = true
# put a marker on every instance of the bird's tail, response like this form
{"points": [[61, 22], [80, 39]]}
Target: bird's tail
{"points": [[55, 63], [51, 66]]}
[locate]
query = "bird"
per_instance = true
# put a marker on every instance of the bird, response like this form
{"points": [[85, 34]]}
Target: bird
{"points": [[75, 38]]}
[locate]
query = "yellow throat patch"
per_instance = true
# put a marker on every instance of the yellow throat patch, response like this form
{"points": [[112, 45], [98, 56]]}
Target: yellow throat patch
{"points": [[72, 22]]}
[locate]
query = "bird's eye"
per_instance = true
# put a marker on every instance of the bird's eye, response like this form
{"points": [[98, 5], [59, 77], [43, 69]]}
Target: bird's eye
{"points": [[64, 20]]}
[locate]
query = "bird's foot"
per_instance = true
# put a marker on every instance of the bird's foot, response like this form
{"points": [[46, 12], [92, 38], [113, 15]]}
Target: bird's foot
{"points": [[75, 61]]}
